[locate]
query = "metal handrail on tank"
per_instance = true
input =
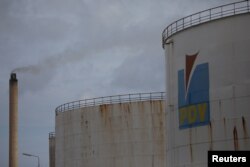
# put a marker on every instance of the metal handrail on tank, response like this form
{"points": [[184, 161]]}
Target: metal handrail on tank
{"points": [[125, 98], [205, 16], [51, 135]]}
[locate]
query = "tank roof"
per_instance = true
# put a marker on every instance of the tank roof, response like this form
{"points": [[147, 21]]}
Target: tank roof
{"points": [[205, 16], [124, 98]]}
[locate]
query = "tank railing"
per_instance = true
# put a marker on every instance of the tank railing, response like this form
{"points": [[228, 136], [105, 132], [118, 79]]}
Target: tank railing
{"points": [[205, 16], [110, 100], [51, 135]]}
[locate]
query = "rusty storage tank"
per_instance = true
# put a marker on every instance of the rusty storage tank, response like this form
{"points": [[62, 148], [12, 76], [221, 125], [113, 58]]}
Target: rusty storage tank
{"points": [[208, 84], [114, 131]]}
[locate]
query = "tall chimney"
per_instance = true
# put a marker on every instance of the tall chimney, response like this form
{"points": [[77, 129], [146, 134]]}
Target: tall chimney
{"points": [[13, 121]]}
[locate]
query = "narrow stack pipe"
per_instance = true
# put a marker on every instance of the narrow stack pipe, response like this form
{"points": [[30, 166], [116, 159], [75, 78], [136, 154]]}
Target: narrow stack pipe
{"points": [[13, 121]]}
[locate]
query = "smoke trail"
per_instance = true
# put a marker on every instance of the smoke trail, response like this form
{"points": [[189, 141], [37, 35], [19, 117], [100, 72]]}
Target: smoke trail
{"points": [[34, 77], [27, 69], [37, 76], [66, 57]]}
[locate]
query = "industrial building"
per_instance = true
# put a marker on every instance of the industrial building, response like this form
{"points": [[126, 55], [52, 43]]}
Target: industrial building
{"points": [[208, 84], [206, 106]]}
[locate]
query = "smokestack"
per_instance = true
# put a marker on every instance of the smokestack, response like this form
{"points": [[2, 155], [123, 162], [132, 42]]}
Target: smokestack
{"points": [[13, 121]]}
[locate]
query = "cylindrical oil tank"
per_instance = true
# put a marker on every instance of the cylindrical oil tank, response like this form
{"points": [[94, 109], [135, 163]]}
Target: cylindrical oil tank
{"points": [[115, 131], [208, 84]]}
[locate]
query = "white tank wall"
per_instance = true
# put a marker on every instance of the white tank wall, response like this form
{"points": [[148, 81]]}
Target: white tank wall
{"points": [[225, 45], [113, 135]]}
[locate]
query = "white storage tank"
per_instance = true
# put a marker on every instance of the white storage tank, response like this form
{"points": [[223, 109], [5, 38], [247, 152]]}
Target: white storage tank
{"points": [[116, 131], [208, 84]]}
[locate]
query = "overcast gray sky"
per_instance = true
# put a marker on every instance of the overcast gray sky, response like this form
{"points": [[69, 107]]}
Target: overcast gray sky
{"points": [[65, 50]]}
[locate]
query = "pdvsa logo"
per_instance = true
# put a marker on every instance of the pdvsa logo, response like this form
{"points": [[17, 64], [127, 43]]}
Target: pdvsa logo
{"points": [[193, 94]]}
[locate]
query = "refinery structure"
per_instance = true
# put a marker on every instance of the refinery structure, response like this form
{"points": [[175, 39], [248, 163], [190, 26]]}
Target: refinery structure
{"points": [[206, 105]]}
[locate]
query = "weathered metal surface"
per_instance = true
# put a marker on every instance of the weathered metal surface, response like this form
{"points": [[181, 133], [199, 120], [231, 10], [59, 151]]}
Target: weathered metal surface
{"points": [[112, 135], [124, 98], [222, 65], [13, 121]]}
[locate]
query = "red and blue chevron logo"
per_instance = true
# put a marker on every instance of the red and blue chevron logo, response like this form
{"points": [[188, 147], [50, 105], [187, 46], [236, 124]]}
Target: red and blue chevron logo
{"points": [[193, 94]]}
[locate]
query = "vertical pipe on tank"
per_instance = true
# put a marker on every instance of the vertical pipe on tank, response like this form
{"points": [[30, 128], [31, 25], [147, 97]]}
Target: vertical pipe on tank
{"points": [[13, 121], [169, 103]]}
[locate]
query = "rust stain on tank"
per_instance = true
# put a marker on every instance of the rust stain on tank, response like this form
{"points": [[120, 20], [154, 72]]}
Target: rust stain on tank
{"points": [[191, 152], [244, 127], [127, 108], [225, 126], [210, 135], [127, 112], [151, 106], [161, 106], [141, 106], [104, 110], [86, 124], [236, 143], [82, 120], [158, 106], [220, 105], [190, 145], [157, 116], [161, 118]]}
